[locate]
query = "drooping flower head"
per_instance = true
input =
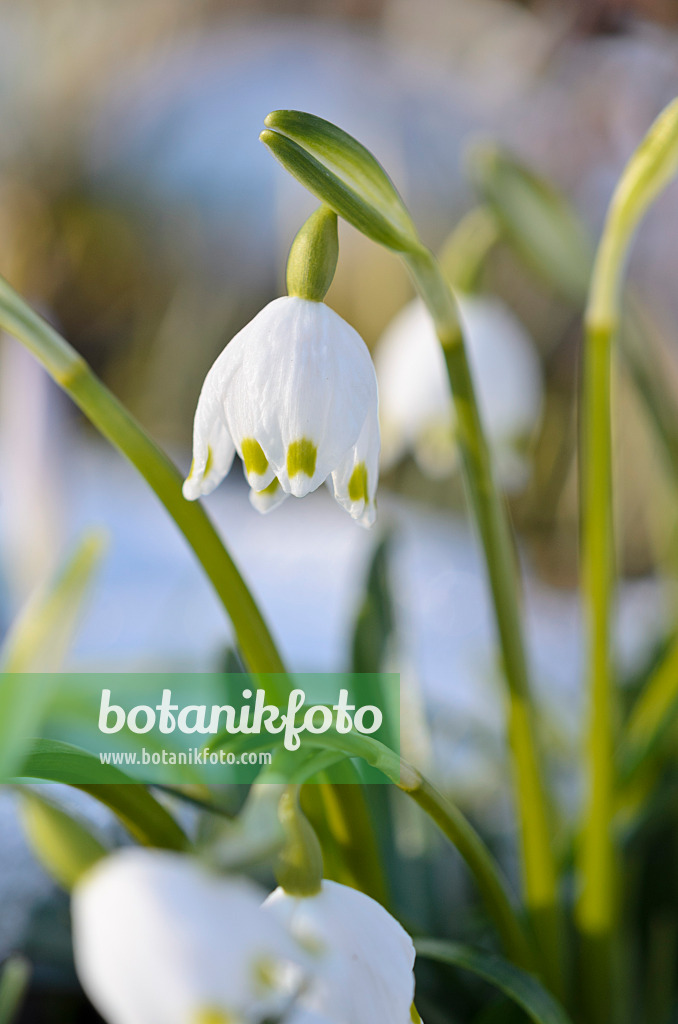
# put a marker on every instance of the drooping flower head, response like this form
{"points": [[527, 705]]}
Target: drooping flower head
{"points": [[295, 394], [416, 408], [159, 939]]}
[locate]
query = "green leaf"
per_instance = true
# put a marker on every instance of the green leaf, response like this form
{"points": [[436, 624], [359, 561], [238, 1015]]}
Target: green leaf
{"points": [[521, 987], [341, 172], [37, 643], [64, 846], [374, 620], [139, 812], [653, 715], [536, 219], [13, 986]]}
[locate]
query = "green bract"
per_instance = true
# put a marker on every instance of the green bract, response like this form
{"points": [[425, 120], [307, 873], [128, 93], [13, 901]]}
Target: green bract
{"points": [[536, 220], [343, 174]]}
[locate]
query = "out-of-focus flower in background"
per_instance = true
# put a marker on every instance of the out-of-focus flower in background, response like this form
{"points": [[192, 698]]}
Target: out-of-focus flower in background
{"points": [[416, 410], [158, 937], [364, 975], [295, 393]]}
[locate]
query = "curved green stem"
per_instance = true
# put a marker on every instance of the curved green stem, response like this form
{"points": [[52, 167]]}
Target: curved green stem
{"points": [[109, 416], [452, 823], [650, 169], [538, 862]]}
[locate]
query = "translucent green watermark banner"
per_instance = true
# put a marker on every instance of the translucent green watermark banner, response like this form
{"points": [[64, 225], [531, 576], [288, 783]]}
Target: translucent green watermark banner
{"points": [[194, 728]]}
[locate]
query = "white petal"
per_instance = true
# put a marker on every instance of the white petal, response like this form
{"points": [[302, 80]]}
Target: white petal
{"points": [[505, 365], [416, 408], [266, 500], [413, 387], [307, 380], [364, 959], [158, 939], [244, 420], [355, 479], [213, 448]]}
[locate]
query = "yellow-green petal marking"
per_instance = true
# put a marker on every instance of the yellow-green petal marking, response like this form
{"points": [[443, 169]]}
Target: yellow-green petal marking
{"points": [[253, 457], [301, 457], [210, 1015], [357, 485]]}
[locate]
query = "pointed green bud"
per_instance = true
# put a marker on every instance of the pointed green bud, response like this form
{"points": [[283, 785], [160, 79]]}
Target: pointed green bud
{"points": [[536, 220], [651, 168], [313, 257], [342, 173], [299, 866], [65, 847]]}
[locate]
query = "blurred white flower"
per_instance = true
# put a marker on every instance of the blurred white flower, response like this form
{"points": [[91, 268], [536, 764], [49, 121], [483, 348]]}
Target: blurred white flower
{"points": [[295, 394], [159, 940], [416, 410], [364, 958]]}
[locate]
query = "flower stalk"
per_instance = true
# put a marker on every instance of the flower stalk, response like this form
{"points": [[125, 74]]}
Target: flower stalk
{"points": [[538, 864], [650, 169], [344, 175]]}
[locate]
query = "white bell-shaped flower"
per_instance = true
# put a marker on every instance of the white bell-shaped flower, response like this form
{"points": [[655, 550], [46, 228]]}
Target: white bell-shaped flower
{"points": [[295, 394], [416, 409], [362, 957], [160, 940]]}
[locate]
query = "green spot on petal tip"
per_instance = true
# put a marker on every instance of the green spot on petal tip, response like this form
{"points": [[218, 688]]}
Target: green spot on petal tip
{"points": [[253, 457], [357, 485], [301, 457]]}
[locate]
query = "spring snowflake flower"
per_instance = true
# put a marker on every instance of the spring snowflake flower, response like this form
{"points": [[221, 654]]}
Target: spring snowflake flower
{"points": [[160, 940], [295, 394], [363, 958], [415, 405]]}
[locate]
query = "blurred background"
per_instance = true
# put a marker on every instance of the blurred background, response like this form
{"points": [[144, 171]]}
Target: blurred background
{"points": [[141, 215]]}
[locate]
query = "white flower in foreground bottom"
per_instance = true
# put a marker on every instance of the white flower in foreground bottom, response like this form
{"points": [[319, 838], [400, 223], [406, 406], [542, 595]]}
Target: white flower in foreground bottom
{"points": [[363, 958], [415, 405], [160, 940], [295, 394]]}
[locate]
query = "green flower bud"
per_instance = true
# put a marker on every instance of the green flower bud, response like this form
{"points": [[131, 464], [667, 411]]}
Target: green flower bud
{"points": [[313, 257], [299, 866], [536, 220]]}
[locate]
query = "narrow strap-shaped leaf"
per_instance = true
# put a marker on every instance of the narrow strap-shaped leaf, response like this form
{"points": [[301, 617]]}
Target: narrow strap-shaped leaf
{"points": [[653, 715], [518, 985], [13, 985], [140, 813], [37, 643], [65, 846]]}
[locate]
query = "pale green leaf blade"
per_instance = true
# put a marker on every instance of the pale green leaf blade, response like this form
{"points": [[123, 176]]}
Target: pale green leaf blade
{"points": [[539, 222], [13, 986], [35, 647], [64, 845], [523, 988], [141, 814]]}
